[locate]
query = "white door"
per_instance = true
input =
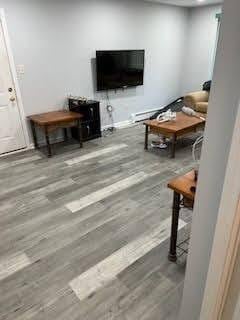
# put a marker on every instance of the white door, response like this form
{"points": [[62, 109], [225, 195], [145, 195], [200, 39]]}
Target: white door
{"points": [[11, 130]]}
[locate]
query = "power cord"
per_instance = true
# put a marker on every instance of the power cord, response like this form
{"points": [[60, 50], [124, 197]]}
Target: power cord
{"points": [[110, 110]]}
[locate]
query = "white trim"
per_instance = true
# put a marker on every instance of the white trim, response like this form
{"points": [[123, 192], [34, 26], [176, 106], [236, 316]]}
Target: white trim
{"points": [[237, 311], [119, 125], [227, 236], [143, 115], [15, 79], [215, 47], [5, 155]]}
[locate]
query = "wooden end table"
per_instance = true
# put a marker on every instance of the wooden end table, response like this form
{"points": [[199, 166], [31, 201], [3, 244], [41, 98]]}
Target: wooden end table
{"points": [[51, 121], [181, 186], [183, 124]]}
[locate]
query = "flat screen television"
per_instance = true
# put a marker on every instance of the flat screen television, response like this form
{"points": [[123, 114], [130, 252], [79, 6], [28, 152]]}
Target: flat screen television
{"points": [[119, 69]]}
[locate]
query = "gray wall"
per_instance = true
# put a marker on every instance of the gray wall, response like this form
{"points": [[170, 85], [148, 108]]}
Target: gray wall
{"points": [[220, 124], [200, 48], [57, 40]]}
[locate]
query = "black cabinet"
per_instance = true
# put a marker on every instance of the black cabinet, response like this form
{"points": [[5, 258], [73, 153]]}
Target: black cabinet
{"points": [[91, 122]]}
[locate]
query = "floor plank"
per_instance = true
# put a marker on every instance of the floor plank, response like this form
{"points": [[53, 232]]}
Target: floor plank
{"points": [[106, 192], [95, 154], [102, 207], [108, 269], [12, 264]]}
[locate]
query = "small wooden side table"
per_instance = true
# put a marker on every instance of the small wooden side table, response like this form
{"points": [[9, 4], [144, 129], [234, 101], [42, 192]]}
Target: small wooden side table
{"points": [[181, 186], [51, 121]]}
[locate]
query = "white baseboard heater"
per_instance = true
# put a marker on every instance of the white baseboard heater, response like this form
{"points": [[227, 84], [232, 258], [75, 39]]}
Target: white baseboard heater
{"points": [[140, 116]]}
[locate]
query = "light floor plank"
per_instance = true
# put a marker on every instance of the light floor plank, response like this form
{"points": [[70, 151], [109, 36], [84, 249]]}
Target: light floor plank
{"points": [[95, 154], [105, 271], [61, 245], [54, 186], [12, 264], [7, 164], [24, 185], [103, 193]]}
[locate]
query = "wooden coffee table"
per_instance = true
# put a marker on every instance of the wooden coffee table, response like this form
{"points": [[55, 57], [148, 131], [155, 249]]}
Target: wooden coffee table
{"points": [[51, 121], [183, 125]]}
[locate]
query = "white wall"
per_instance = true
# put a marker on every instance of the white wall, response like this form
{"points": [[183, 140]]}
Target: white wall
{"points": [[232, 305], [223, 107], [57, 40], [200, 48]]}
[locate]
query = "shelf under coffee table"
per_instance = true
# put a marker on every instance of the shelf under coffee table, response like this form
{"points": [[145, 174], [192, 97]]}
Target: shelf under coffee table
{"points": [[183, 125]]}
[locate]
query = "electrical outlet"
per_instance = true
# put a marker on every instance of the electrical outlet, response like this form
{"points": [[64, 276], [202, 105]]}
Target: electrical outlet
{"points": [[109, 108]]}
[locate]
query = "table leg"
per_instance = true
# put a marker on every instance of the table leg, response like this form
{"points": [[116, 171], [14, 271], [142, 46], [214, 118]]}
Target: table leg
{"points": [[174, 230], [34, 134], [47, 141], [65, 134], [146, 138], [173, 147], [80, 133]]}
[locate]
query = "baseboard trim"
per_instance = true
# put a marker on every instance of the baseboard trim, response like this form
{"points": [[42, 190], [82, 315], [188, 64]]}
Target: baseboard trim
{"points": [[15, 152], [119, 125], [143, 115], [41, 143]]}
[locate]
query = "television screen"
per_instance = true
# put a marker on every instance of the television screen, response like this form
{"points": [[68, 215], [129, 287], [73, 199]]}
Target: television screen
{"points": [[119, 69]]}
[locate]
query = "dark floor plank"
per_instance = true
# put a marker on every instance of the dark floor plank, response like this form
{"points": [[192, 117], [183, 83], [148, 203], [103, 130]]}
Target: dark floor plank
{"points": [[61, 245]]}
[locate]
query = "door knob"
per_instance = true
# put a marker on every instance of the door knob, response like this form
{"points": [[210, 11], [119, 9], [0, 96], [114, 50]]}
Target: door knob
{"points": [[12, 99]]}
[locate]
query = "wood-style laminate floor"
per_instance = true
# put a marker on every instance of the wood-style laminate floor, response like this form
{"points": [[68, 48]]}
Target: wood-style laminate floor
{"points": [[85, 235]]}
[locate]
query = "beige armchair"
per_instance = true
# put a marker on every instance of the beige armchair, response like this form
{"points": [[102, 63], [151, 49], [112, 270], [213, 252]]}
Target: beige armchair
{"points": [[197, 100]]}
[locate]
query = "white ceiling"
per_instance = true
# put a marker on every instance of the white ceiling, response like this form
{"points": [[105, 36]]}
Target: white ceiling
{"points": [[188, 3]]}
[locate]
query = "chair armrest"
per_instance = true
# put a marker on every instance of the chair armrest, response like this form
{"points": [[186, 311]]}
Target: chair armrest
{"points": [[192, 98], [201, 107]]}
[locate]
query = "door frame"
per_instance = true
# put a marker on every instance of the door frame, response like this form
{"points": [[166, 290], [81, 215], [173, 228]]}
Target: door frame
{"points": [[227, 236], [16, 84]]}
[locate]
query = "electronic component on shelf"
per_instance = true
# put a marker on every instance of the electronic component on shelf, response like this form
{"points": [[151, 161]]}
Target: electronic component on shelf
{"points": [[190, 112], [167, 116]]}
